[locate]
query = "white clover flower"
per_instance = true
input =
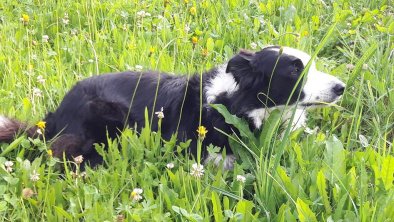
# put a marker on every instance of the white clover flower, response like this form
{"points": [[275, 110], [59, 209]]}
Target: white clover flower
{"points": [[187, 28], [160, 114], [143, 14], [350, 66], [138, 67], [65, 19], [8, 166], [241, 178], [40, 79], [34, 176], [253, 45], [197, 170], [136, 194], [45, 38], [170, 165], [37, 92], [78, 159]]}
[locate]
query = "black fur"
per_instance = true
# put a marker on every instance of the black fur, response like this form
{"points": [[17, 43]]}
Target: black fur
{"points": [[100, 104]]}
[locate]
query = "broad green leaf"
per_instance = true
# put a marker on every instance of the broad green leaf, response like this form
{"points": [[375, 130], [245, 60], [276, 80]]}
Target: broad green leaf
{"points": [[304, 212], [322, 187], [210, 45], [239, 123], [217, 207], [287, 183], [334, 157]]}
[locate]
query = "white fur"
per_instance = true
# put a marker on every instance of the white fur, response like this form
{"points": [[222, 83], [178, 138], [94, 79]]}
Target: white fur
{"points": [[228, 162], [261, 114], [222, 82], [3, 122]]}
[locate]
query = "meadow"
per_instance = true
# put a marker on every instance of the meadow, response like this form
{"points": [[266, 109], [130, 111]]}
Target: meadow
{"points": [[339, 168]]}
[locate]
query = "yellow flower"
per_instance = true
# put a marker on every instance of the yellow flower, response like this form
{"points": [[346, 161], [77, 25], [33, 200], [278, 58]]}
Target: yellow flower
{"points": [[50, 153], [25, 18], [186, 1], [194, 40], [41, 125], [193, 10], [202, 131], [151, 50]]}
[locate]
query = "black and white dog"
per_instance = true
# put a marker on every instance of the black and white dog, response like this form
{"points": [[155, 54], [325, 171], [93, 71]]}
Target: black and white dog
{"points": [[249, 85]]}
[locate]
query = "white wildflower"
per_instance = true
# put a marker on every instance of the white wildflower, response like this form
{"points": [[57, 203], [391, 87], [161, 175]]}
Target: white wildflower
{"points": [[170, 165], [34, 176], [138, 67], [65, 19], [8, 166], [143, 14], [78, 159], [40, 79], [350, 66], [160, 114], [37, 92], [365, 66], [136, 194], [241, 178], [253, 45], [197, 170], [45, 38], [187, 28]]}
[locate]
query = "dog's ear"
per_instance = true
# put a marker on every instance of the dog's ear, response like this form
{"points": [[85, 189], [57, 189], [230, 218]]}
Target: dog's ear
{"points": [[240, 62]]}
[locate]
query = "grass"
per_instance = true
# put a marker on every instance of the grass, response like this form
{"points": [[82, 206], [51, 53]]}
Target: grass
{"points": [[341, 171]]}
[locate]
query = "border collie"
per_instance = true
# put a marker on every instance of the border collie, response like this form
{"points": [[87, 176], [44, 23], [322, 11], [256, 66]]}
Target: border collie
{"points": [[249, 85]]}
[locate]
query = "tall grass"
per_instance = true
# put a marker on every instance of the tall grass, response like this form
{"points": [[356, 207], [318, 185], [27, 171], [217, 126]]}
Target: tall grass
{"points": [[341, 170]]}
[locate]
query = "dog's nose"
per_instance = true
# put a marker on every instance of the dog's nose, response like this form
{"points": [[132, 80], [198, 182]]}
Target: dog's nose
{"points": [[338, 89]]}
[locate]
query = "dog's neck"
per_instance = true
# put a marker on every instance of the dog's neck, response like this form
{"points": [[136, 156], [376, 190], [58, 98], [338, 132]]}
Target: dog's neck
{"points": [[218, 83]]}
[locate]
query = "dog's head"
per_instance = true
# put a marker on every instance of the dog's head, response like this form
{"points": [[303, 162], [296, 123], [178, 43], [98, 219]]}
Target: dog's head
{"points": [[274, 75]]}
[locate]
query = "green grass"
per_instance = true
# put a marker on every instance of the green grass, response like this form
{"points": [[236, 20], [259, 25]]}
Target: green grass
{"points": [[343, 171]]}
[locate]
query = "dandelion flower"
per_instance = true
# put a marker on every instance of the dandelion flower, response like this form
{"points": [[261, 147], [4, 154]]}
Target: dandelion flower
{"points": [[202, 131], [25, 19], [197, 170], [41, 124], [170, 166], [193, 10], [27, 193], [160, 114], [152, 50], [241, 178], [194, 40], [34, 176], [78, 159], [136, 194]]}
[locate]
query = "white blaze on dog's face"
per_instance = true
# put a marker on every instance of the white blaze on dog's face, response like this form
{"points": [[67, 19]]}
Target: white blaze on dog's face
{"points": [[320, 88]]}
